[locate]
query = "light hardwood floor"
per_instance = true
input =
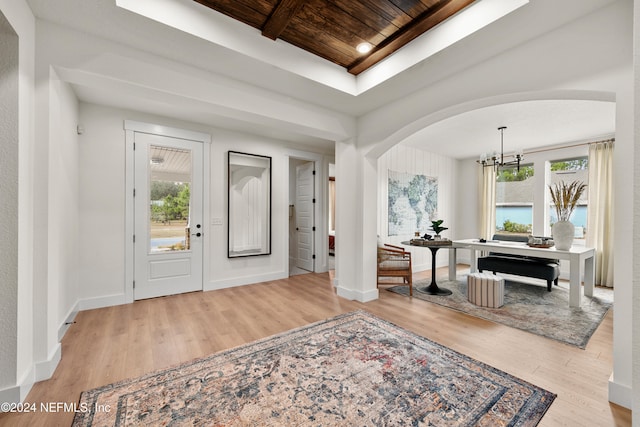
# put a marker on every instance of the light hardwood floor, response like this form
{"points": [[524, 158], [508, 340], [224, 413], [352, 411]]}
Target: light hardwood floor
{"points": [[114, 343]]}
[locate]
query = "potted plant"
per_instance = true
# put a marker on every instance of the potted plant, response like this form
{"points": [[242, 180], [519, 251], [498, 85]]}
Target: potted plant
{"points": [[565, 199], [437, 228]]}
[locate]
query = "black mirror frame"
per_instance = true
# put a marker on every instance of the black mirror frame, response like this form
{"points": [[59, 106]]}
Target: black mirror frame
{"points": [[267, 251]]}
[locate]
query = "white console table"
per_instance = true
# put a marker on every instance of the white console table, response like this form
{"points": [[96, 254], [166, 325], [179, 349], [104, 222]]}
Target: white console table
{"points": [[580, 259]]}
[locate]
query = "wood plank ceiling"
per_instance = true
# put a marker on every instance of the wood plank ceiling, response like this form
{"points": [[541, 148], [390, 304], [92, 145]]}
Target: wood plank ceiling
{"points": [[332, 29]]}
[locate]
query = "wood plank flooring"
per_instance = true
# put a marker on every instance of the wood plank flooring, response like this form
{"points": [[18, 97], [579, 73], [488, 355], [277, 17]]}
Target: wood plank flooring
{"points": [[111, 344]]}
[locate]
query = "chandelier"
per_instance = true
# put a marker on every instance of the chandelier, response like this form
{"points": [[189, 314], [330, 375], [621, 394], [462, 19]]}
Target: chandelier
{"points": [[498, 161]]}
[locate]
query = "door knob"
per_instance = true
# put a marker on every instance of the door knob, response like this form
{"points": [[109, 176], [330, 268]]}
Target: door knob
{"points": [[197, 234]]}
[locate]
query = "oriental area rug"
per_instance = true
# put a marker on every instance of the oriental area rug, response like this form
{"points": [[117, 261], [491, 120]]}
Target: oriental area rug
{"points": [[529, 307], [351, 370]]}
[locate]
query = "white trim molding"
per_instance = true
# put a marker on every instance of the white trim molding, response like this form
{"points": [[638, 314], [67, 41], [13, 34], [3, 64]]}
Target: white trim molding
{"points": [[620, 394]]}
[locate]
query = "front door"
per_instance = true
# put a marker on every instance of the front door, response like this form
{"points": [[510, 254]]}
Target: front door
{"points": [[304, 215], [168, 239]]}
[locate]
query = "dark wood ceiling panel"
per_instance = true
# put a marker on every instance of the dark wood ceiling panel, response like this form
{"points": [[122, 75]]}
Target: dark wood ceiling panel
{"points": [[420, 25], [281, 17], [322, 44], [325, 16], [359, 11], [255, 13], [332, 29], [414, 8], [389, 11]]}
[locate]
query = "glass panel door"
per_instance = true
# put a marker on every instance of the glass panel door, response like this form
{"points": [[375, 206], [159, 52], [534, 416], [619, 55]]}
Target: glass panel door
{"points": [[169, 199]]}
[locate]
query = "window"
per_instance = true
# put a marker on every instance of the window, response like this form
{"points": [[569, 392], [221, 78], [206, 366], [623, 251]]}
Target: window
{"points": [[514, 200], [569, 170]]}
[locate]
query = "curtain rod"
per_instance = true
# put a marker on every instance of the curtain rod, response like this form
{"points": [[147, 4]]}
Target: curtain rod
{"points": [[570, 146]]}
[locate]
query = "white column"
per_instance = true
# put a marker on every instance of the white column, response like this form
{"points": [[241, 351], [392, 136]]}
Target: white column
{"points": [[626, 320], [626, 248], [356, 208]]}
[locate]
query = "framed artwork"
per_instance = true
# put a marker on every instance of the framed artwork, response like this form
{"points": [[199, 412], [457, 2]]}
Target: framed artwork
{"points": [[413, 203]]}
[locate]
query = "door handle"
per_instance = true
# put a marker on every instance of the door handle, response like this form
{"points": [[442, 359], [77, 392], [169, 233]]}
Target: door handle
{"points": [[197, 234]]}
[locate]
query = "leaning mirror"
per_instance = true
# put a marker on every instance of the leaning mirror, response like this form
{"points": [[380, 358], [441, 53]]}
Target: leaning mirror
{"points": [[249, 204]]}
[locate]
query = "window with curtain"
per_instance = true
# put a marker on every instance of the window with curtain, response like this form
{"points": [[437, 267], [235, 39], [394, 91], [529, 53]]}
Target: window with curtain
{"points": [[507, 199], [332, 204], [569, 170], [514, 200]]}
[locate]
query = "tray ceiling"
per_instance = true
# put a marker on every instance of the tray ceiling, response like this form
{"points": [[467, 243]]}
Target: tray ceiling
{"points": [[332, 29]]}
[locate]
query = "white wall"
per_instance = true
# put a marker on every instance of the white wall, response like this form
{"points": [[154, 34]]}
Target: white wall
{"points": [[102, 205], [56, 224], [16, 316], [225, 272], [9, 199], [101, 202], [63, 202], [634, 294], [410, 160]]}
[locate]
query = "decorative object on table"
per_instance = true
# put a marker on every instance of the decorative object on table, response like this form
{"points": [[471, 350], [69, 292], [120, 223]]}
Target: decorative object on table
{"points": [[565, 198], [354, 369], [412, 201], [437, 228], [424, 242], [427, 236], [529, 307], [540, 242]]}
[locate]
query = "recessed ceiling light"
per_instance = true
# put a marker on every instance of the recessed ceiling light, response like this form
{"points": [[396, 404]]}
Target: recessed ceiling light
{"points": [[364, 47]]}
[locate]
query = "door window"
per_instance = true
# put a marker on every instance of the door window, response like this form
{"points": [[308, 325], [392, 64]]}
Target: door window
{"points": [[169, 199]]}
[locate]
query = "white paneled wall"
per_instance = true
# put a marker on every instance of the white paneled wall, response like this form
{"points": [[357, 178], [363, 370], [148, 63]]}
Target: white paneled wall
{"points": [[248, 229], [413, 161]]}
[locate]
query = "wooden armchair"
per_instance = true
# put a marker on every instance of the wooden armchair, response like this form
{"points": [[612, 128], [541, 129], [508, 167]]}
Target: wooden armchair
{"points": [[394, 261]]}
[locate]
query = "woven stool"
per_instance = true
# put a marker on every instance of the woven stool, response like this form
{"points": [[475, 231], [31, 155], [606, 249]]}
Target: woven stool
{"points": [[485, 290]]}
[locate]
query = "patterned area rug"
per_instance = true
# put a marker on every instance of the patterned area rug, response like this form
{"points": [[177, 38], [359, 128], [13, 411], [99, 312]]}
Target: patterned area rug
{"points": [[529, 307], [351, 370]]}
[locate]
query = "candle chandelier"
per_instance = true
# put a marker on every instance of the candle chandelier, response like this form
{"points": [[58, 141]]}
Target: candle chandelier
{"points": [[498, 161]]}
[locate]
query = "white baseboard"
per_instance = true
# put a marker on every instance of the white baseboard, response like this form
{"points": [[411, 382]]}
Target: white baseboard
{"points": [[360, 296], [45, 369], [246, 280], [100, 302], [71, 315], [10, 395], [620, 394], [39, 372]]}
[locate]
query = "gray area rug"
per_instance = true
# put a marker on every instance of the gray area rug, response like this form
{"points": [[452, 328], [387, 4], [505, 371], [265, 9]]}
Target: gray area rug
{"points": [[529, 307]]}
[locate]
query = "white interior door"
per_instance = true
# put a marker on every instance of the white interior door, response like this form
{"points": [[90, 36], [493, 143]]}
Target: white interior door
{"points": [[168, 239], [304, 215]]}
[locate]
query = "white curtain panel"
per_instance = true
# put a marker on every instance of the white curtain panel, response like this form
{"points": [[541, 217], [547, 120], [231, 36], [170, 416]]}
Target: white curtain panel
{"points": [[332, 205], [600, 210], [488, 202]]}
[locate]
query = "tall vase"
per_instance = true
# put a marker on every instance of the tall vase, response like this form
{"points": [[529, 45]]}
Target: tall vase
{"points": [[563, 232]]}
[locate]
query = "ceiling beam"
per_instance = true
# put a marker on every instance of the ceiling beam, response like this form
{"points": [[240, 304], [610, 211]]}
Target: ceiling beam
{"points": [[280, 18], [429, 19]]}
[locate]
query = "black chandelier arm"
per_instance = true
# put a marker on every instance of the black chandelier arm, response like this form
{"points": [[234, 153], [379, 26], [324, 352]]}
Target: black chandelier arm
{"points": [[497, 164]]}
